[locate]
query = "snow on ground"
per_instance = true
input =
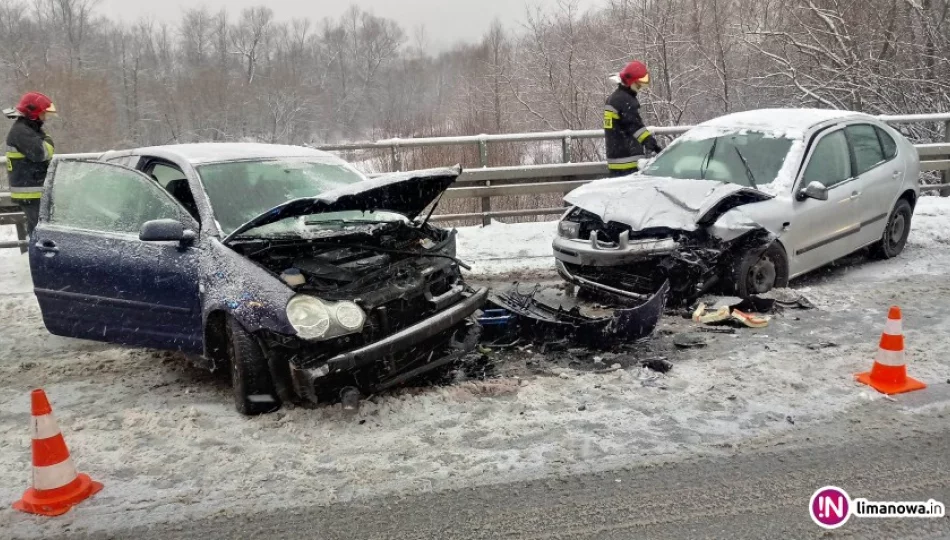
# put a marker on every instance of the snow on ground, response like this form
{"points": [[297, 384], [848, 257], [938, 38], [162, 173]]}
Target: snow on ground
{"points": [[8, 233], [167, 443], [502, 248]]}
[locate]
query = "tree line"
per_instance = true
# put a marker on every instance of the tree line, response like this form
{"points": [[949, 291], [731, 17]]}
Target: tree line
{"points": [[248, 76]]}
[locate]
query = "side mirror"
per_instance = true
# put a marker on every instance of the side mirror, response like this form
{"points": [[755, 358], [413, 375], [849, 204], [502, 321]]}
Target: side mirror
{"points": [[165, 230], [814, 190]]}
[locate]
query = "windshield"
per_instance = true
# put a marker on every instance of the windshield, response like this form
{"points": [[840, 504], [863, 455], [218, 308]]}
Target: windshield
{"points": [[747, 158], [241, 191]]}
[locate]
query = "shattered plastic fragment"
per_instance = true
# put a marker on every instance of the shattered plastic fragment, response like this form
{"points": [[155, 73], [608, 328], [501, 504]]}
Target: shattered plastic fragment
{"points": [[750, 320]]}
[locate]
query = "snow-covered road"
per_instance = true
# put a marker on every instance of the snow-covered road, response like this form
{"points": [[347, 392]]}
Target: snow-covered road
{"points": [[165, 440]]}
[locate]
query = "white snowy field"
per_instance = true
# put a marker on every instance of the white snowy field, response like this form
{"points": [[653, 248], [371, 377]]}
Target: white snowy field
{"points": [[167, 443]]}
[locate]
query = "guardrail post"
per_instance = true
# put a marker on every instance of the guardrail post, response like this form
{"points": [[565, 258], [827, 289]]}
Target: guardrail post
{"points": [[396, 160], [483, 161], [21, 235], [566, 150], [945, 192]]}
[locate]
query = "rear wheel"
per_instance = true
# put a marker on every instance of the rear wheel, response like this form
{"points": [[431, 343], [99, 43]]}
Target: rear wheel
{"points": [[251, 382], [757, 272], [895, 234]]}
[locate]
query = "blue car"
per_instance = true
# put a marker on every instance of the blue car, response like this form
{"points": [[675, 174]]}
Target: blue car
{"points": [[283, 264]]}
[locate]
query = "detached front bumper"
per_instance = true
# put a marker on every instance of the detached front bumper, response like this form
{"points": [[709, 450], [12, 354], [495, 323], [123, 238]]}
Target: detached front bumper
{"points": [[401, 341], [594, 252]]}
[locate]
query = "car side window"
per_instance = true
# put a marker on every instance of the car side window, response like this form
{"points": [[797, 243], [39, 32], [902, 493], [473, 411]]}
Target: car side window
{"points": [[166, 173], [176, 184], [830, 162], [868, 153], [102, 197], [887, 143]]}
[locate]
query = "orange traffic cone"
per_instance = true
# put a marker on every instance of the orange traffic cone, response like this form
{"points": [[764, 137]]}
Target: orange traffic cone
{"points": [[57, 486], [889, 374]]}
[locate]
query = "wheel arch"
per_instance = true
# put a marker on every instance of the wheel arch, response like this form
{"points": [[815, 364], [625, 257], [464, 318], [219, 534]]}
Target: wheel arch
{"points": [[216, 339], [910, 196]]}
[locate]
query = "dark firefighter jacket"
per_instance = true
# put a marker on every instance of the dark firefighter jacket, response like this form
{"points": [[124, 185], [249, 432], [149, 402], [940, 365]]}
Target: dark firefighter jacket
{"points": [[624, 132], [29, 151]]}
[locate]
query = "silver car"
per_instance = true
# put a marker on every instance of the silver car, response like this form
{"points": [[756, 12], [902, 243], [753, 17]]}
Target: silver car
{"points": [[744, 202]]}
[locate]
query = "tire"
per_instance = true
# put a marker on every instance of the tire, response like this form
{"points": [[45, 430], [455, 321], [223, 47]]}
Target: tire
{"points": [[758, 272], [895, 233], [254, 392]]}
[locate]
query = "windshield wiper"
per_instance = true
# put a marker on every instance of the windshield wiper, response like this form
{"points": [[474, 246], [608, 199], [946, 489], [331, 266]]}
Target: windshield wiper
{"points": [[748, 170], [341, 221], [709, 156]]}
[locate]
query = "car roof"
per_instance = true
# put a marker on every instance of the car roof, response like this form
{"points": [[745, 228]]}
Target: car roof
{"points": [[783, 119], [203, 153]]}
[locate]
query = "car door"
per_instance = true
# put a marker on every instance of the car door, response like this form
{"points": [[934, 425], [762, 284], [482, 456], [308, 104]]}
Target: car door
{"points": [[824, 230], [94, 278], [879, 179]]}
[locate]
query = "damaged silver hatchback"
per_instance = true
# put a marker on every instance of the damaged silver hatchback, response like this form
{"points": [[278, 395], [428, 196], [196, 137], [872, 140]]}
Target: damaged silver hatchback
{"points": [[744, 202]]}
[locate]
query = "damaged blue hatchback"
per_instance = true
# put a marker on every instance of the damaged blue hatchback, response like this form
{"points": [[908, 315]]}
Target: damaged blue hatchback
{"points": [[283, 264]]}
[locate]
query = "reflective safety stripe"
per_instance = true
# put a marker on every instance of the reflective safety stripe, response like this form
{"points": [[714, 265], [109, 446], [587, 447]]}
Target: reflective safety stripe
{"points": [[54, 476], [12, 155], [893, 327], [622, 166], [45, 427], [610, 114], [29, 192], [642, 134], [48, 150], [890, 358]]}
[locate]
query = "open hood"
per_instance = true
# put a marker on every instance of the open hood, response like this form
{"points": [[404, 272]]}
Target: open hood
{"points": [[404, 193], [644, 202]]}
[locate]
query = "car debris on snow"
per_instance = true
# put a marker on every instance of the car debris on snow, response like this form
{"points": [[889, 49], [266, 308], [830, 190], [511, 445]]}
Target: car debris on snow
{"points": [[544, 315]]}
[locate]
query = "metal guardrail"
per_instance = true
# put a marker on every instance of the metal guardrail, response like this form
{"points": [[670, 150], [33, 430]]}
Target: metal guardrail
{"points": [[487, 182]]}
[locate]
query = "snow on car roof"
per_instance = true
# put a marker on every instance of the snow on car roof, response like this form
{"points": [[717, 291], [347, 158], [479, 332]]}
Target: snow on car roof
{"points": [[780, 119], [201, 153]]}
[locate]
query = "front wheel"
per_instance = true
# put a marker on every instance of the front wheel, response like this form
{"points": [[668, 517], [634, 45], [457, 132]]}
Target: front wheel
{"points": [[251, 382], [758, 272], [895, 234]]}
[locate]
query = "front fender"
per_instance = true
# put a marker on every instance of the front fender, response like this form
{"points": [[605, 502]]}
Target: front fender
{"points": [[235, 285]]}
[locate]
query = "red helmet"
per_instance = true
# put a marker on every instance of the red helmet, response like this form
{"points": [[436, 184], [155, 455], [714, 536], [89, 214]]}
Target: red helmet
{"points": [[33, 104], [635, 73]]}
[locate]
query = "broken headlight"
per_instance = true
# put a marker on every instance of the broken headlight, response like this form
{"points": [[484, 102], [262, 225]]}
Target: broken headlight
{"points": [[569, 230], [315, 319]]}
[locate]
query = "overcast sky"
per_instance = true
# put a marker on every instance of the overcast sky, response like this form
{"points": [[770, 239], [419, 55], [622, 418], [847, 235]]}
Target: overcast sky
{"points": [[446, 21]]}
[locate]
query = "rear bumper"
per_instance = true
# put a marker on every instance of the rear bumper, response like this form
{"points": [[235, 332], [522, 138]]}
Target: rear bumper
{"points": [[401, 341]]}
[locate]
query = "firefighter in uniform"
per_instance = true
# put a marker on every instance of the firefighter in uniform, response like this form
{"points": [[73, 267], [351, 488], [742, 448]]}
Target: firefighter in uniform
{"points": [[625, 134], [29, 151]]}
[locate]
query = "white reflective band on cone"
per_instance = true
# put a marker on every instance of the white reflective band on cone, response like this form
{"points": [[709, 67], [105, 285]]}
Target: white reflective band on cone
{"points": [[893, 327], [890, 358], [54, 476], [44, 427]]}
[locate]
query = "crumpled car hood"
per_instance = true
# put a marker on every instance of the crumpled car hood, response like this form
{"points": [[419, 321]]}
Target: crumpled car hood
{"points": [[649, 203], [404, 193]]}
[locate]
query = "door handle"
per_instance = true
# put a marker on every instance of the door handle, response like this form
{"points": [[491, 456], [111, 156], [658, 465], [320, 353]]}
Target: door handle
{"points": [[855, 195], [47, 246]]}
